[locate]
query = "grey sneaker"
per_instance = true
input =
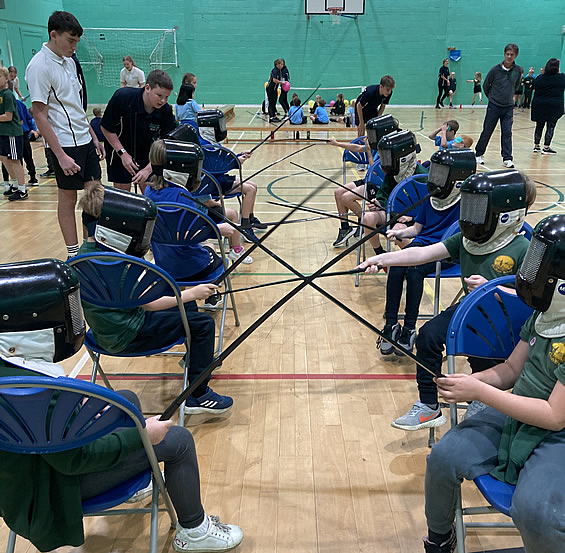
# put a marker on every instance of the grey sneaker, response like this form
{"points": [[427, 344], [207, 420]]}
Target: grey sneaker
{"points": [[406, 340], [214, 302], [420, 416], [219, 537], [473, 408], [393, 332]]}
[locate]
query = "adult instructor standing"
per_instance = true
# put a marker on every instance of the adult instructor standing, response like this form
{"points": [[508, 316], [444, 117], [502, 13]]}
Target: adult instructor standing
{"points": [[499, 86]]}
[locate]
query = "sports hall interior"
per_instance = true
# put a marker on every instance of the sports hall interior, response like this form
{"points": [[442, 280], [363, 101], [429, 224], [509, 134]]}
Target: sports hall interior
{"points": [[307, 461]]}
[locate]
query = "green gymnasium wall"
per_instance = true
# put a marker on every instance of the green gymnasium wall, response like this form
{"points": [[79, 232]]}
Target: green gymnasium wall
{"points": [[231, 44]]}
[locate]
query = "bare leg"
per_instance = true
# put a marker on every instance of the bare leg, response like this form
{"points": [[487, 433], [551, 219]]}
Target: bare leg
{"points": [[374, 219], [249, 193], [66, 215], [123, 186], [339, 194], [15, 169]]}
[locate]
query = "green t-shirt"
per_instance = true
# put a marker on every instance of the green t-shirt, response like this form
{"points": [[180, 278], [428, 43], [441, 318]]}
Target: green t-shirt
{"points": [[544, 366], [505, 261], [389, 182], [7, 104], [113, 329], [41, 497]]}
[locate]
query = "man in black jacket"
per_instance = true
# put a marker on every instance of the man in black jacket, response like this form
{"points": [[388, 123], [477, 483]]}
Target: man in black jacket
{"points": [[499, 86]]}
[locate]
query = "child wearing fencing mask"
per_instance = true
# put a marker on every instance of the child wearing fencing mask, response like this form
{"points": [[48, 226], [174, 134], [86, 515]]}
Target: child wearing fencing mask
{"points": [[493, 208], [520, 437]]}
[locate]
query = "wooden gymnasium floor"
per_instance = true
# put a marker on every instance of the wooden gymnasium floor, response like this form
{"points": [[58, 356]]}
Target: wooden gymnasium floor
{"points": [[307, 461]]}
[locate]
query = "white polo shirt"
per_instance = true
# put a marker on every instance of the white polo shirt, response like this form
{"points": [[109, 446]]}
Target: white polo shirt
{"points": [[52, 80], [132, 78]]}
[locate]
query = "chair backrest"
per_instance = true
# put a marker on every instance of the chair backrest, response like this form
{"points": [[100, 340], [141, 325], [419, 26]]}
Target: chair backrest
{"points": [[375, 174], [41, 414], [116, 280], [180, 224], [209, 185], [487, 323], [356, 157], [407, 193], [218, 160]]}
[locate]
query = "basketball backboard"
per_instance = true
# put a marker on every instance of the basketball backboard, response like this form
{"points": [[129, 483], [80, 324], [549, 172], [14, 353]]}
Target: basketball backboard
{"points": [[345, 7]]}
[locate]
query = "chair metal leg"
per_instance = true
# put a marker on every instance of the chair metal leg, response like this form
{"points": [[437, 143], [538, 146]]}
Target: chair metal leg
{"points": [[459, 525], [97, 369], [154, 527], [437, 287], [11, 542], [184, 381]]}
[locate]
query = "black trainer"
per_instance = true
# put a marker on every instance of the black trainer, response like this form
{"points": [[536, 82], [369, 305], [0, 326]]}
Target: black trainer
{"points": [[343, 236], [274, 120], [256, 224], [547, 151], [18, 195], [406, 340], [10, 191], [448, 546], [390, 331]]}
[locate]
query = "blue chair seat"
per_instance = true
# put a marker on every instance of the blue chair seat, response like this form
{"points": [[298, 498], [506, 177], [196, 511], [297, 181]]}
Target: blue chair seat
{"points": [[91, 344], [498, 494], [117, 495]]}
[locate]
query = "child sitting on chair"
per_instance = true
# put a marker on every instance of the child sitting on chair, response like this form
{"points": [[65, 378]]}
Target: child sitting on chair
{"points": [[42, 494], [320, 116], [151, 326], [520, 437], [493, 208]]}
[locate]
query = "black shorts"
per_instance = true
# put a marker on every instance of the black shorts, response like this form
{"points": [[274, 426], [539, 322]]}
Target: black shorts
{"points": [[476, 88], [226, 183], [116, 171], [12, 147], [86, 157], [318, 122], [215, 213], [359, 182]]}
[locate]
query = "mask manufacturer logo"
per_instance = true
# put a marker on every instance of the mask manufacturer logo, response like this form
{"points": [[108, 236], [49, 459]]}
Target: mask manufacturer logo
{"points": [[557, 353], [561, 289], [532, 341], [503, 265], [504, 218], [458, 184]]}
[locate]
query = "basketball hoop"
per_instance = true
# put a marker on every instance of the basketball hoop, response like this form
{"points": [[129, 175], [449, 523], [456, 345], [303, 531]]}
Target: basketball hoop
{"points": [[335, 15]]}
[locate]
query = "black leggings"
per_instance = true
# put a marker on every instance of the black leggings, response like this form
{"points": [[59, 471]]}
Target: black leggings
{"points": [[548, 132], [272, 96], [442, 89], [181, 472]]}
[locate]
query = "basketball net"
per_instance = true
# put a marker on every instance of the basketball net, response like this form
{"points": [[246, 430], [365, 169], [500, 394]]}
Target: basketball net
{"points": [[335, 15]]}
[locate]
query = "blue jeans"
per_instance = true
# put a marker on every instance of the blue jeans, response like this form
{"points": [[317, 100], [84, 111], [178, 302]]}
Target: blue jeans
{"points": [[493, 115], [471, 449]]}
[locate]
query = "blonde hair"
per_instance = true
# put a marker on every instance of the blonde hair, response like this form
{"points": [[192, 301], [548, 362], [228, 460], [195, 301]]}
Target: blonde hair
{"points": [[158, 156], [92, 199], [478, 75], [466, 140], [4, 72]]}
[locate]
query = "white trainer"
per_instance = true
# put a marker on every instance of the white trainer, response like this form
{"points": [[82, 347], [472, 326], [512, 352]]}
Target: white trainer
{"points": [[480, 160], [234, 256], [508, 164], [218, 537]]}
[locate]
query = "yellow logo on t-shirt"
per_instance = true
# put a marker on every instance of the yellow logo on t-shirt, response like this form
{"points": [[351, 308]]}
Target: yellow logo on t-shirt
{"points": [[503, 265], [1, 100], [557, 353]]}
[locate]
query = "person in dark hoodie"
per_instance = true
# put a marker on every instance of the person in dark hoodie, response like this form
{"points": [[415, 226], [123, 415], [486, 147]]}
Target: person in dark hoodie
{"points": [[499, 86]]}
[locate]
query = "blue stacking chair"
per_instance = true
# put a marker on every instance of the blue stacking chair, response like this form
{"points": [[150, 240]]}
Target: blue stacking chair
{"points": [[219, 160], [487, 324], [374, 176], [42, 415], [119, 281], [354, 157], [178, 226]]}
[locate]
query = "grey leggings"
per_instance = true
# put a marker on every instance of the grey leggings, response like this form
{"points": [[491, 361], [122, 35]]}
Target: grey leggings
{"points": [[471, 449], [181, 472], [550, 129]]}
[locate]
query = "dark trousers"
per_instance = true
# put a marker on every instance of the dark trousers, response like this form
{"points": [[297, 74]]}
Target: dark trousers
{"points": [[548, 132], [283, 100], [163, 327], [429, 346], [181, 472], [494, 114], [527, 98], [272, 97], [414, 277], [443, 92]]}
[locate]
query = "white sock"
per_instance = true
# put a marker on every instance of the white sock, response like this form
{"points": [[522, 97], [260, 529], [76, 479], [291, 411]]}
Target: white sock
{"points": [[21, 187], [201, 529], [14, 183], [7, 186]]}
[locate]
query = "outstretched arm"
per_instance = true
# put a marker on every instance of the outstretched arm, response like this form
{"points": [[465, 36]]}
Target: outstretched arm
{"points": [[406, 257]]}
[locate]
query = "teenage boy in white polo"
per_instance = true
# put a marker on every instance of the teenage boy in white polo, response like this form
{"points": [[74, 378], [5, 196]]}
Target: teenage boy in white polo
{"points": [[55, 91]]}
